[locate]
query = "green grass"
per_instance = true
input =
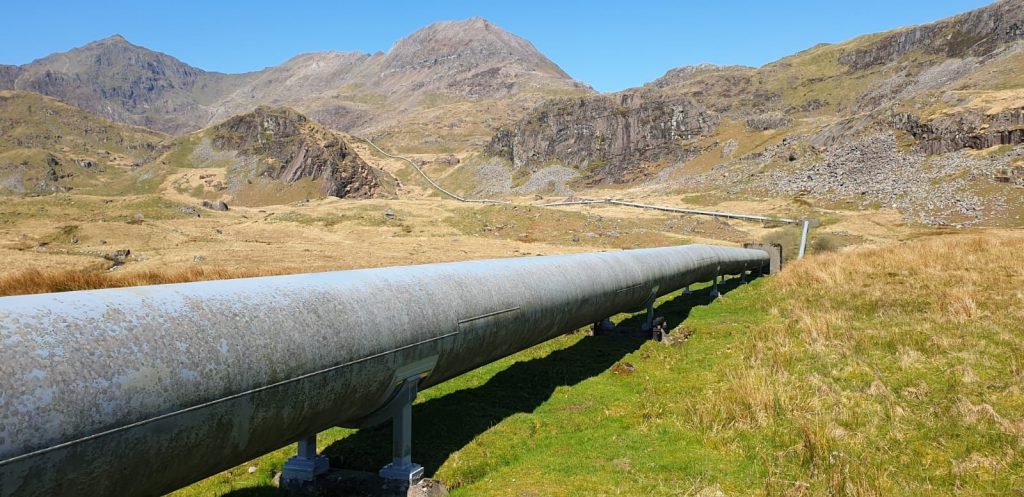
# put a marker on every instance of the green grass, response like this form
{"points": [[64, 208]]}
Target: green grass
{"points": [[180, 155]]}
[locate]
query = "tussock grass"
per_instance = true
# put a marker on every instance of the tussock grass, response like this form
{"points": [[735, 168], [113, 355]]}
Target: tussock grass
{"points": [[37, 281]]}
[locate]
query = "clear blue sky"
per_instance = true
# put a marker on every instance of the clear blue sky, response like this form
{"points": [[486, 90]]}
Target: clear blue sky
{"points": [[611, 45]]}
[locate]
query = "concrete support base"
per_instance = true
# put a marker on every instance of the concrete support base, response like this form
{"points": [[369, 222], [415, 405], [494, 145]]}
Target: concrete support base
{"points": [[410, 472], [305, 466]]}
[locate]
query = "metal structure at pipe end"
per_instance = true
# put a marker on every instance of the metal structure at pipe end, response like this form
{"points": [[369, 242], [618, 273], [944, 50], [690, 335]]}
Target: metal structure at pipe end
{"points": [[803, 238]]}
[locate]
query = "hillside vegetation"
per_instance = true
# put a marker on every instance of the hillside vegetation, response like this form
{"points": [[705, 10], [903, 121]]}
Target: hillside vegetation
{"points": [[877, 371], [47, 145]]}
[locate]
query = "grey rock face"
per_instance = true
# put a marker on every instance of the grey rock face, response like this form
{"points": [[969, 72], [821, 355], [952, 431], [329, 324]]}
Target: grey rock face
{"points": [[771, 120], [291, 147], [969, 129], [977, 32], [8, 74], [605, 134]]}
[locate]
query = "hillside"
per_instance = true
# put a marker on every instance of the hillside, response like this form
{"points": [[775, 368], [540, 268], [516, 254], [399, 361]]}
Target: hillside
{"points": [[449, 84], [48, 146], [267, 156], [917, 102]]}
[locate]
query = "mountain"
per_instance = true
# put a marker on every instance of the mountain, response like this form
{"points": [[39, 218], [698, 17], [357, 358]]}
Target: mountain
{"points": [[451, 81], [128, 84], [267, 156], [48, 146], [798, 125], [449, 84]]}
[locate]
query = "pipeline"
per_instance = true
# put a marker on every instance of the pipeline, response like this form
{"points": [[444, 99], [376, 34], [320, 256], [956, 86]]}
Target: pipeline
{"points": [[139, 391], [805, 223], [431, 181]]}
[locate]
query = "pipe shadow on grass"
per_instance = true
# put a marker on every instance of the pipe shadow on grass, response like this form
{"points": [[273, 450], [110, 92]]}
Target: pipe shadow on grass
{"points": [[676, 311], [444, 425]]}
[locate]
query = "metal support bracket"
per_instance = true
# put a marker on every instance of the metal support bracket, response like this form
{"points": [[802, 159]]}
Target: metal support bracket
{"points": [[305, 466], [714, 289], [803, 238], [649, 322], [603, 327], [401, 467]]}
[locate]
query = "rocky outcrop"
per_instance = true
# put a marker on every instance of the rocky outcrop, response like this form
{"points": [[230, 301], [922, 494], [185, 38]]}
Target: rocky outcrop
{"points": [[8, 74], [767, 121], [288, 147], [686, 74], [605, 135], [967, 129], [974, 33]]}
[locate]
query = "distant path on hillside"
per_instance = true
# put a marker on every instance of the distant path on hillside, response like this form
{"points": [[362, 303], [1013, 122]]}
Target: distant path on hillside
{"points": [[433, 183]]}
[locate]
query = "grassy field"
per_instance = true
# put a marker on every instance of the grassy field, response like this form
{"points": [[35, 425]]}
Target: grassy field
{"points": [[874, 371]]}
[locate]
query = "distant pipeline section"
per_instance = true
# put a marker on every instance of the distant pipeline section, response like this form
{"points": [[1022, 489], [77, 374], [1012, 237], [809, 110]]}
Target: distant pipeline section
{"points": [[139, 391]]}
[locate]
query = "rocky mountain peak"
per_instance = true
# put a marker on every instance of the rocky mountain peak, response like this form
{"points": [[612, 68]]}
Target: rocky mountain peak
{"points": [[114, 38], [119, 81], [467, 44]]}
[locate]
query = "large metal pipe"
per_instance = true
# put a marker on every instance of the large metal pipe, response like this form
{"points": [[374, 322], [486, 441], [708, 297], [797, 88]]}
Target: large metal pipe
{"points": [[139, 391]]}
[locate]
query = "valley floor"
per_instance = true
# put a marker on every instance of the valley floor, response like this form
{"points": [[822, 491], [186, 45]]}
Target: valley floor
{"points": [[887, 363]]}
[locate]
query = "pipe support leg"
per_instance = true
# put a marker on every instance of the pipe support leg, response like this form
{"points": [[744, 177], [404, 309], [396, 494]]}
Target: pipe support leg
{"points": [[401, 467]]}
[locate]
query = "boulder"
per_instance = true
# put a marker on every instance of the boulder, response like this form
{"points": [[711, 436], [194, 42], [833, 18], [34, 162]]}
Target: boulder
{"points": [[219, 205]]}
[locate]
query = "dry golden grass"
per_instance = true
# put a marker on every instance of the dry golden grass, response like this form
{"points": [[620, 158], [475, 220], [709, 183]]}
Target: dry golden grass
{"points": [[36, 281], [898, 366]]}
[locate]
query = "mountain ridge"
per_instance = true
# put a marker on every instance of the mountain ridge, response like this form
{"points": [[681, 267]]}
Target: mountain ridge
{"points": [[444, 63]]}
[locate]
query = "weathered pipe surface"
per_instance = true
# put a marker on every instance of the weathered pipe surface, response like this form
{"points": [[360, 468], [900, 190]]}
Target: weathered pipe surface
{"points": [[139, 391]]}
